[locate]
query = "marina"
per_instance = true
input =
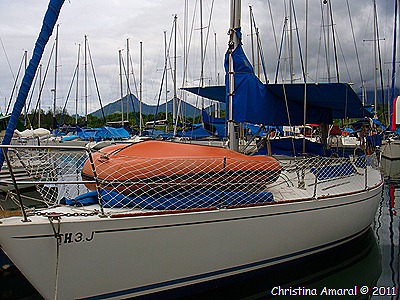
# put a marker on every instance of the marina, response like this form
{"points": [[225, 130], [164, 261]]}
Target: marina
{"points": [[276, 200]]}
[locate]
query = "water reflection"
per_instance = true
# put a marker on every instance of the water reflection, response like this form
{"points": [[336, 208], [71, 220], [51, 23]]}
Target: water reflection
{"points": [[390, 168], [387, 228]]}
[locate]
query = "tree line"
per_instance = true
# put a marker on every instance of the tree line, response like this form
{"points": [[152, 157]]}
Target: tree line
{"points": [[64, 118]]}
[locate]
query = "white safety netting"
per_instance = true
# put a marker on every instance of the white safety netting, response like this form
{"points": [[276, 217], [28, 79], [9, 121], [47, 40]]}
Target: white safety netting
{"points": [[174, 183]]}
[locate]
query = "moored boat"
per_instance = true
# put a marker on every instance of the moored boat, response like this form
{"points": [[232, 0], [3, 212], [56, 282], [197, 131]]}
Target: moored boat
{"points": [[125, 244]]}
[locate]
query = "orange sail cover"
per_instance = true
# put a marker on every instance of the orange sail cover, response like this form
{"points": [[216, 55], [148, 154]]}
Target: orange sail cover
{"points": [[162, 163]]}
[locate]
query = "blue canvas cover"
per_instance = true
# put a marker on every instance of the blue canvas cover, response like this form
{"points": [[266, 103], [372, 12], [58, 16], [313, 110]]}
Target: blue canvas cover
{"points": [[111, 133], [217, 126], [187, 200], [284, 146], [87, 134], [195, 133], [259, 103], [103, 133], [325, 102]]}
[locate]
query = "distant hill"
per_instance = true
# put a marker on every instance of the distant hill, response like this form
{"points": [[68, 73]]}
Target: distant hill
{"points": [[370, 95], [187, 109]]}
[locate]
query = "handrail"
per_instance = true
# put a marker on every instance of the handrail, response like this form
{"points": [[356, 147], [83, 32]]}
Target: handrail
{"points": [[5, 149]]}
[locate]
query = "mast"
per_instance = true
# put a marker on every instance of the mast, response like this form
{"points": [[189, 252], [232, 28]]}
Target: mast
{"points": [[127, 79], [305, 83], [55, 80], [86, 82], [252, 37], [216, 114], [393, 124], [77, 84], [175, 88], [140, 88], [233, 42], [121, 89], [202, 51], [375, 64], [40, 94], [291, 66], [166, 78], [26, 66]]}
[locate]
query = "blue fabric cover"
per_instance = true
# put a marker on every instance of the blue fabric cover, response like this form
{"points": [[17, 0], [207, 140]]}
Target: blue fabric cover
{"points": [[259, 103], [284, 146], [186, 200], [69, 138], [327, 172], [196, 133], [103, 133]]}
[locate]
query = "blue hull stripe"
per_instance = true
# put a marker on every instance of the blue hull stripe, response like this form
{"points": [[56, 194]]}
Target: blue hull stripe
{"points": [[220, 273]]}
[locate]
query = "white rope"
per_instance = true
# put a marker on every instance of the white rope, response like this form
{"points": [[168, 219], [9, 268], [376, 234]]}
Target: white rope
{"points": [[58, 239]]}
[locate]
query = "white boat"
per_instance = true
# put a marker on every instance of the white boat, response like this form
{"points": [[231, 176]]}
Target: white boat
{"points": [[143, 250], [390, 148], [178, 230]]}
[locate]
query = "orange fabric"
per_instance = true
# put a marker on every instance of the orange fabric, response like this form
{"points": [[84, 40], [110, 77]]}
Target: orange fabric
{"points": [[159, 158]]}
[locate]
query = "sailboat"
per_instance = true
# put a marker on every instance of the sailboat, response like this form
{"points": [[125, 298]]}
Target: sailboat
{"points": [[196, 231], [390, 149]]}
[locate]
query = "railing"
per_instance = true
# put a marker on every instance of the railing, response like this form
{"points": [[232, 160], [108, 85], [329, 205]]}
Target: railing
{"points": [[78, 176]]}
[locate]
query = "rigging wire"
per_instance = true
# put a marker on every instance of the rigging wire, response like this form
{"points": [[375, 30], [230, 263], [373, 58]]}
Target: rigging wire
{"points": [[8, 60], [97, 86], [394, 53], [380, 65], [163, 77], [325, 42], [259, 47], [354, 42], [42, 86], [128, 86], [15, 84], [273, 27], [298, 42], [334, 41]]}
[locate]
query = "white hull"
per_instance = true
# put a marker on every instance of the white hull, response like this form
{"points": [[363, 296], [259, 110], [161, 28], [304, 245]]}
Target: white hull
{"points": [[390, 167], [130, 256], [390, 149]]}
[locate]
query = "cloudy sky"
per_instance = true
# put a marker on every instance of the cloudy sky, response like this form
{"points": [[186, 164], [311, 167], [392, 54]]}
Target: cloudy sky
{"points": [[110, 23]]}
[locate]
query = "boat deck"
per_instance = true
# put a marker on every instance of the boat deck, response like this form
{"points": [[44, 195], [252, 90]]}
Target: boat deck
{"points": [[59, 183]]}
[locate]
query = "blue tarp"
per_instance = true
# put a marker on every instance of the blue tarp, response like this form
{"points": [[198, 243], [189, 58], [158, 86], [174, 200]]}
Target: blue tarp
{"points": [[217, 126], [325, 102], [328, 172], [170, 201], [103, 133], [284, 146], [374, 141], [259, 103], [69, 138], [378, 124], [196, 133], [109, 133]]}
